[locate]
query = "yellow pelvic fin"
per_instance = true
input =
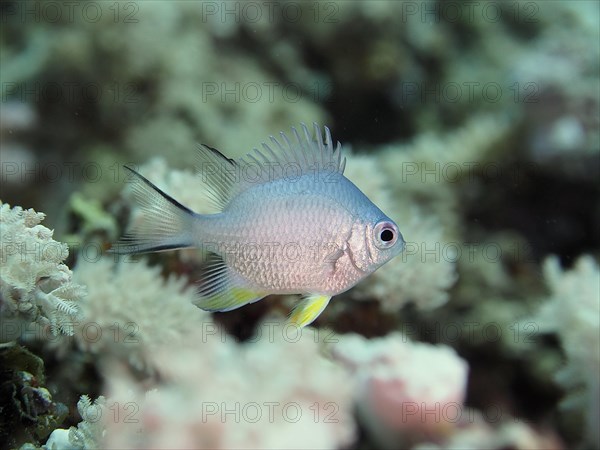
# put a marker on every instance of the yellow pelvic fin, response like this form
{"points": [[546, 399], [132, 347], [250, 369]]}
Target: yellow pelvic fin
{"points": [[228, 299], [308, 309]]}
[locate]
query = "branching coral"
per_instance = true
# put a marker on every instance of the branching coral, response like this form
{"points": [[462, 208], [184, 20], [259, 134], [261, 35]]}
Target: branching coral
{"points": [[89, 432], [214, 393], [131, 309], [35, 285], [421, 275], [573, 311], [479, 434], [420, 189], [429, 171]]}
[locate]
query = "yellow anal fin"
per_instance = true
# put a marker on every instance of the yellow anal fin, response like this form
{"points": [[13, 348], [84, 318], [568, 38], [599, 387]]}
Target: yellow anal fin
{"points": [[308, 309]]}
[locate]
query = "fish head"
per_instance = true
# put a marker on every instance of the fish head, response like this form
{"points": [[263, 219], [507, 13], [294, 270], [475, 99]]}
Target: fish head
{"points": [[375, 241]]}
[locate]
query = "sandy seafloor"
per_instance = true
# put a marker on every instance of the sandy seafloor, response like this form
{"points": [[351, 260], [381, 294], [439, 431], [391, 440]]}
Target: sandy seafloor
{"points": [[473, 124]]}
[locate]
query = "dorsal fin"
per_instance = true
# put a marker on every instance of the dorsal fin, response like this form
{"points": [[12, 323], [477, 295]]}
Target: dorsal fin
{"points": [[218, 173], [282, 158], [303, 152]]}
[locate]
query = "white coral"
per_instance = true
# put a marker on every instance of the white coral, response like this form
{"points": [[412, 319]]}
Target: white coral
{"points": [[479, 434], [573, 311], [416, 185], [215, 393], [131, 309], [428, 171], [422, 274], [35, 285], [89, 432], [400, 281]]}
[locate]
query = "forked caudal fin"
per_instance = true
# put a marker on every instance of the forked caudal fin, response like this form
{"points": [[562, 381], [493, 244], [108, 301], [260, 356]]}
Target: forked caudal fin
{"points": [[165, 225]]}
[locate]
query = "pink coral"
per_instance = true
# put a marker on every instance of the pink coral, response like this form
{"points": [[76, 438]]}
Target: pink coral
{"points": [[407, 391]]}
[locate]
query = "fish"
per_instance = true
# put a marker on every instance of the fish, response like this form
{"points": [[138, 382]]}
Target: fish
{"points": [[286, 221]]}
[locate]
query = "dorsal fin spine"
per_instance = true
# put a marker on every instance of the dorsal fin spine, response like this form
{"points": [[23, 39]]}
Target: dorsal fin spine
{"points": [[271, 154], [311, 153], [299, 139], [279, 147]]}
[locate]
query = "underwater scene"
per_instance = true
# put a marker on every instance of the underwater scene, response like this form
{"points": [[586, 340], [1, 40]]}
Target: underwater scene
{"points": [[300, 224]]}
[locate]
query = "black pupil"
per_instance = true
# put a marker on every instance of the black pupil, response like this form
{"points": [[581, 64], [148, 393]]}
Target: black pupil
{"points": [[387, 235]]}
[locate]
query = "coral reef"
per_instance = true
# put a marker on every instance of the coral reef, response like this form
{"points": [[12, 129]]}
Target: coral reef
{"points": [[481, 435], [114, 322], [406, 392], [35, 285], [421, 186], [89, 432], [214, 393], [28, 411], [474, 125], [573, 311]]}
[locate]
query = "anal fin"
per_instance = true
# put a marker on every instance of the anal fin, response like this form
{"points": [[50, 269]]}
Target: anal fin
{"points": [[308, 309]]}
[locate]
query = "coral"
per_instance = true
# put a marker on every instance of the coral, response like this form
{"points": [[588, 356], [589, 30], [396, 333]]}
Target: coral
{"points": [[427, 257], [430, 171], [573, 311], [28, 411], [278, 392], [420, 188], [130, 309], [89, 432], [406, 391], [198, 88], [35, 285], [564, 132], [432, 147], [478, 434], [394, 284], [94, 219]]}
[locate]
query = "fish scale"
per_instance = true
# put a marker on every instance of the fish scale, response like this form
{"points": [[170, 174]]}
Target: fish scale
{"points": [[288, 222]]}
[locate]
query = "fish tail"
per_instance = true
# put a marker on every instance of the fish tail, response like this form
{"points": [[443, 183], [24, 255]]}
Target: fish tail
{"points": [[165, 224]]}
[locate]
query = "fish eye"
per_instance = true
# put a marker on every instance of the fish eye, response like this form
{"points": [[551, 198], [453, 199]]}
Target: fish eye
{"points": [[386, 234]]}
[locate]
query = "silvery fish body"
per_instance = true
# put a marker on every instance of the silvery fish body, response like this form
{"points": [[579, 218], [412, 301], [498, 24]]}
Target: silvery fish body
{"points": [[289, 222]]}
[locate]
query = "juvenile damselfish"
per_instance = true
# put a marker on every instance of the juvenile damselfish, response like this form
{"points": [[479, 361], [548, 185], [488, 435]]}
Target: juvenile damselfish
{"points": [[287, 221]]}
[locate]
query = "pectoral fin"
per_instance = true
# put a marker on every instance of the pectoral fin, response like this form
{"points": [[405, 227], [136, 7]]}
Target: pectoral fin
{"points": [[308, 309]]}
